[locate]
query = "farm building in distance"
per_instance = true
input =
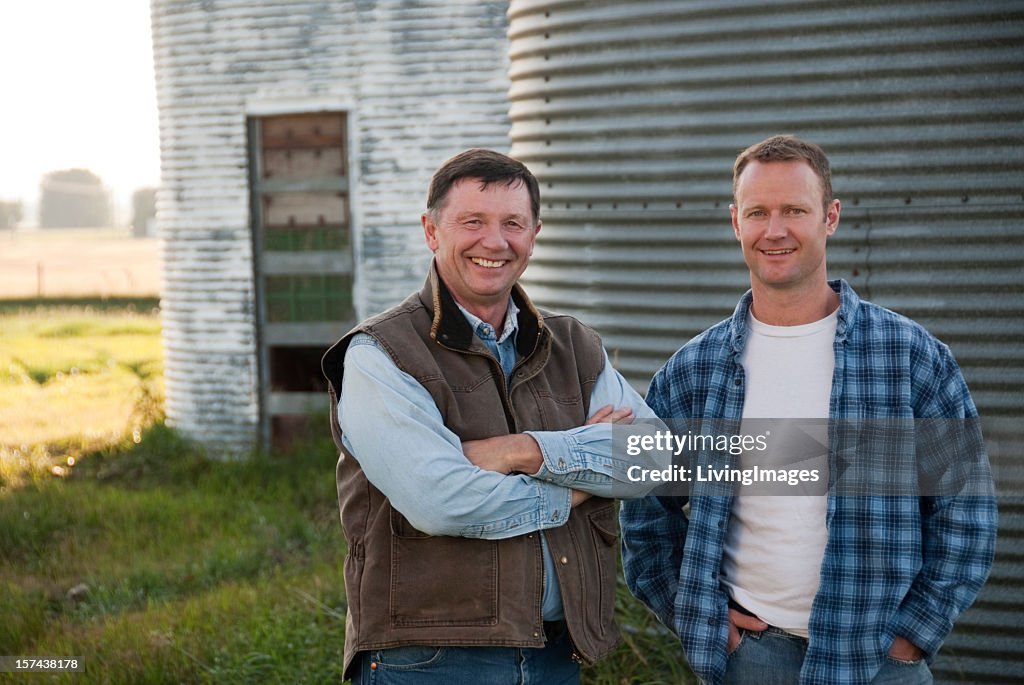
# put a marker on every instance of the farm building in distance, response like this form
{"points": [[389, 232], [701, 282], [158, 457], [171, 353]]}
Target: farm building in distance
{"points": [[298, 139]]}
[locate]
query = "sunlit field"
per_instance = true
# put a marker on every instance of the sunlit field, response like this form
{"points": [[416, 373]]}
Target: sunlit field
{"points": [[78, 262], [127, 546], [75, 378]]}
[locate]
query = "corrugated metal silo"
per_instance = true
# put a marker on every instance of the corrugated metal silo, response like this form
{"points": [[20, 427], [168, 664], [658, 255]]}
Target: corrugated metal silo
{"points": [[632, 113]]}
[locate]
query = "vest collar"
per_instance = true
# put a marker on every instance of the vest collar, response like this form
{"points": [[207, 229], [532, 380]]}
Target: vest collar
{"points": [[450, 328]]}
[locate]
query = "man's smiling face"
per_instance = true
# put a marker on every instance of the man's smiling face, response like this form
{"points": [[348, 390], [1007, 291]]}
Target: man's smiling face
{"points": [[482, 239], [783, 223]]}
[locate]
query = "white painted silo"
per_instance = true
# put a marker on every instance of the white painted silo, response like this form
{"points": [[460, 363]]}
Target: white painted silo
{"points": [[297, 142]]}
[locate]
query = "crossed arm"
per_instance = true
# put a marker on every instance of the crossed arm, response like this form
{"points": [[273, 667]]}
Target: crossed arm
{"points": [[521, 453], [491, 494]]}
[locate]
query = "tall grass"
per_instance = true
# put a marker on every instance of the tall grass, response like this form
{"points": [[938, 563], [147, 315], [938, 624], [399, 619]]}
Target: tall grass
{"points": [[154, 563]]}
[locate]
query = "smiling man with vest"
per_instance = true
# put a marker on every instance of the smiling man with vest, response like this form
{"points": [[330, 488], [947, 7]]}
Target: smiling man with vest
{"points": [[476, 459]]}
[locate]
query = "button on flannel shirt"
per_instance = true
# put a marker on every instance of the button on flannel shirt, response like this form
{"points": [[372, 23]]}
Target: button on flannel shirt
{"points": [[892, 566]]}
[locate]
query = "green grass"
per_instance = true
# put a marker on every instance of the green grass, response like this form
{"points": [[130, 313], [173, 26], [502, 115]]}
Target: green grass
{"points": [[188, 569], [74, 378], [649, 655], [95, 304], [155, 563]]}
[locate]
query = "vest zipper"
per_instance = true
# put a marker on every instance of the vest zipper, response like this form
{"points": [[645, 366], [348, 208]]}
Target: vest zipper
{"points": [[506, 400]]}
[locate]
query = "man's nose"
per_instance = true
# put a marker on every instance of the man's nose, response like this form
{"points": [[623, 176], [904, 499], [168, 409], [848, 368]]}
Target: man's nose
{"points": [[493, 237], [776, 227]]}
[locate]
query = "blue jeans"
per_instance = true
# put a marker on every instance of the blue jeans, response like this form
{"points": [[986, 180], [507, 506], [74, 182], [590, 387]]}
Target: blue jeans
{"points": [[774, 657], [551, 665]]}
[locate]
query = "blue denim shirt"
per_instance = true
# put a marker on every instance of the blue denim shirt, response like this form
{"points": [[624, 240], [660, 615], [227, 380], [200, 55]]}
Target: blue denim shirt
{"points": [[893, 565], [394, 414]]}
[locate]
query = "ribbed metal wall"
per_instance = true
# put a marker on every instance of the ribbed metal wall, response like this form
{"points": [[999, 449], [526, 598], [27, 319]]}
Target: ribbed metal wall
{"points": [[419, 80], [631, 114]]}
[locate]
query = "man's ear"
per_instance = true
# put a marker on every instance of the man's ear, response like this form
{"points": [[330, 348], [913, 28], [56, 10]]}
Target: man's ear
{"points": [[734, 213], [832, 217], [429, 231]]}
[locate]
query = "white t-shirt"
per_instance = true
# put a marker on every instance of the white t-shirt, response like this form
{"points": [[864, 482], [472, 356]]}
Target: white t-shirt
{"points": [[775, 543]]}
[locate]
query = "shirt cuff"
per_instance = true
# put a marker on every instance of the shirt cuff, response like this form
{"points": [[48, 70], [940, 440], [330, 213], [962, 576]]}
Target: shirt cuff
{"points": [[564, 454], [923, 627], [552, 511]]}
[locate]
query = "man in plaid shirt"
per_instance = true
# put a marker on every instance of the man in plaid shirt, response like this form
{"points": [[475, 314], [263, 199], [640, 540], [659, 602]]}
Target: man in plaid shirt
{"points": [[812, 588]]}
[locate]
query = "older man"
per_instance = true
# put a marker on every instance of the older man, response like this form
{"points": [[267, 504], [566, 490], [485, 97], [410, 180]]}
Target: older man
{"points": [[474, 430]]}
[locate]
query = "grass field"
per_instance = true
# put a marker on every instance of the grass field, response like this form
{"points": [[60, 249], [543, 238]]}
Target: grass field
{"points": [[126, 546], [74, 378]]}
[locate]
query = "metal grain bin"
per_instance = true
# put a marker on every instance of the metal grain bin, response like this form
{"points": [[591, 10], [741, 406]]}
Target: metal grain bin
{"points": [[632, 113]]}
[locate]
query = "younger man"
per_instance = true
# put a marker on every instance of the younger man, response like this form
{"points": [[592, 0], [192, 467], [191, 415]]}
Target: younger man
{"points": [[841, 588]]}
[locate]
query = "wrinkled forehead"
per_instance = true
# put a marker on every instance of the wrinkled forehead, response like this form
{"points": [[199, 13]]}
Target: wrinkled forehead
{"points": [[504, 196]]}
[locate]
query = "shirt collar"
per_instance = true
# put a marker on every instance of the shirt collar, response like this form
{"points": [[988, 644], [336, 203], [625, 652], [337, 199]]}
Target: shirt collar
{"points": [[848, 304], [485, 330]]}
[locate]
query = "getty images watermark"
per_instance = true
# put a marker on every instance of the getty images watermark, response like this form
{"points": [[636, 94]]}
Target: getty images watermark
{"points": [[854, 457]]}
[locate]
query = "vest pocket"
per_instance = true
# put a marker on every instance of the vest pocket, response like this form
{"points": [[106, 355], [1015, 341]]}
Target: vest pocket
{"points": [[441, 580], [559, 411]]}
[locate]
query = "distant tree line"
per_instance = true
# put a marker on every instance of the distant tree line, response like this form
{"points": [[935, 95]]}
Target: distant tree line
{"points": [[73, 198], [11, 212], [77, 198]]}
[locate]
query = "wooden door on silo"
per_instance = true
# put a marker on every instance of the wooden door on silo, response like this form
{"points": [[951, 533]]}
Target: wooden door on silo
{"points": [[303, 260]]}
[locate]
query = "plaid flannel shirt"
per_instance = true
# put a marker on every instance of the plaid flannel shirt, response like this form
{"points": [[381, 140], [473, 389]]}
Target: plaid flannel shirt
{"points": [[892, 566]]}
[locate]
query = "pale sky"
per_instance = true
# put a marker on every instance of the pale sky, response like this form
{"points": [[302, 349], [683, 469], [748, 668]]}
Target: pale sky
{"points": [[77, 90]]}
